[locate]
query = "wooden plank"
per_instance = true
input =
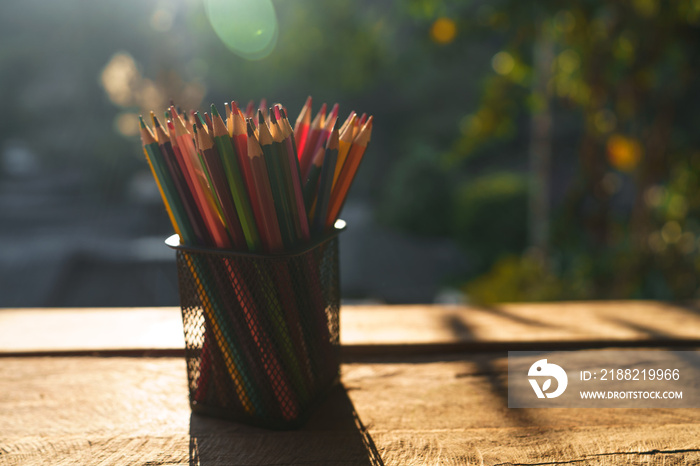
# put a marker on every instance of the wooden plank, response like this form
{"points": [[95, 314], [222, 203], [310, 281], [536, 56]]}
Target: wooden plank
{"points": [[430, 410], [454, 411], [521, 322], [90, 329], [127, 411], [376, 329]]}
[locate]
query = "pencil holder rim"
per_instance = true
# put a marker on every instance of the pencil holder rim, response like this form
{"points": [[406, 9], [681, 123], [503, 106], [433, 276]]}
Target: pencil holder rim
{"points": [[173, 242]]}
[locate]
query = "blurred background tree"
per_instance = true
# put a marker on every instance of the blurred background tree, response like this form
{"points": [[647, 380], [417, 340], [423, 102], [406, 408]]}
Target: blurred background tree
{"points": [[619, 93]]}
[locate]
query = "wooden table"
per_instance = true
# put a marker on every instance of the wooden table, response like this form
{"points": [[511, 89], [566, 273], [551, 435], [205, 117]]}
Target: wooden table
{"points": [[420, 385]]}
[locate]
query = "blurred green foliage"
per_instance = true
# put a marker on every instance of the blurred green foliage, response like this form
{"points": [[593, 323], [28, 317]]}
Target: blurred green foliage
{"points": [[623, 91], [489, 217], [416, 196]]}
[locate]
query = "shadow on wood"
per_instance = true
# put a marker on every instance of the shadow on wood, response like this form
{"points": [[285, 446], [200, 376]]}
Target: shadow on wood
{"points": [[334, 434]]}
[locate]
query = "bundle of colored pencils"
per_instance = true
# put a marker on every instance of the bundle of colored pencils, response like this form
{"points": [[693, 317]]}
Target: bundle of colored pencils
{"points": [[245, 183], [251, 182]]}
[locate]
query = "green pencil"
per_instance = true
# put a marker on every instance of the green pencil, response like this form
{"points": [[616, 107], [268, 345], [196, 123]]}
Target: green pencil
{"points": [[277, 183], [165, 183], [235, 180]]}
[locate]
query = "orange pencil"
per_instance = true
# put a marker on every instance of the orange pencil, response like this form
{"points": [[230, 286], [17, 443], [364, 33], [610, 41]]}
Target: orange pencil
{"points": [[346, 136], [325, 184], [347, 174]]}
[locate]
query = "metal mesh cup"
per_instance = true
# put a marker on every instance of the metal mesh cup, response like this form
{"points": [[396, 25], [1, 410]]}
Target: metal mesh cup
{"points": [[261, 331]]}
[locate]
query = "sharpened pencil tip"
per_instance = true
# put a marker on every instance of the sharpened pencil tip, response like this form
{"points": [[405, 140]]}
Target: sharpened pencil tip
{"points": [[199, 121], [214, 111], [251, 130]]}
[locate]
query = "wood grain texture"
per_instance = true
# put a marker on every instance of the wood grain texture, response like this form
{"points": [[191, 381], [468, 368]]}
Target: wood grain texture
{"points": [[134, 411], [372, 328], [454, 411], [418, 409], [422, 411], [522, 322]]}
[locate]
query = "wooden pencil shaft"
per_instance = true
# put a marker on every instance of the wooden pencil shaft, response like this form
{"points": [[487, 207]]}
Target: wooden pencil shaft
{"points": [[235, 184]]}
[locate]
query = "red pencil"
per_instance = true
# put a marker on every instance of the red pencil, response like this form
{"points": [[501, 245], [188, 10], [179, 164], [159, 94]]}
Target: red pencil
{"points": [[301, 128], [219, 186], [310, 145], [263, 192], [205, 199]]}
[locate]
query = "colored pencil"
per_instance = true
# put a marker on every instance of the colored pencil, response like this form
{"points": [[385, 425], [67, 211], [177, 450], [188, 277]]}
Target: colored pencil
{"points": [[301, 128], [248, 181], [236, 184], [344, 143], [288, 170], [288, 140], [263, 190], [311, 182], [150, 146], [180, 184], [220, 188], [277, 183], [200, 185], [309, 150], [347, 174], [325, 183]]}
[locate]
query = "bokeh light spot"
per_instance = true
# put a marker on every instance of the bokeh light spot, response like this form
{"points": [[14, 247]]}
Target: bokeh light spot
{"points": [[569, 61], [611, 183], [623, 153], [677, 206], [503, 63], [443, 31], [671, 232], [605, 121], [565, 21], [119, 77], [162, 18], [247, 27], [127, 124], [646, 8], [656, 242], [686, 243], [654, 196]]}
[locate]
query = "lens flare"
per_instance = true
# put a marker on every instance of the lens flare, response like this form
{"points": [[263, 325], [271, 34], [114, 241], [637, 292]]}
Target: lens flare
{"points": [[247, 27]]}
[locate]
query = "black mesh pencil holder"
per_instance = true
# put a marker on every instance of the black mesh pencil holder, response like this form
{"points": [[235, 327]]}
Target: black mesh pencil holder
{"points": [[261, 331]]}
